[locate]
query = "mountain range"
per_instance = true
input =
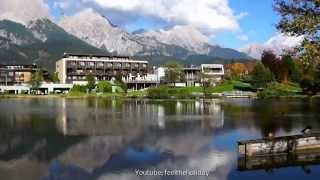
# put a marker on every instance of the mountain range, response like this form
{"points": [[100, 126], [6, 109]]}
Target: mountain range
{"points": [[40, 40]]}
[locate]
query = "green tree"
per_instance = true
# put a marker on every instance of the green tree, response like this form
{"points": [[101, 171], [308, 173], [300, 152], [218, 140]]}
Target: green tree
{"points": [[290, 70], [36, 79], [91, 82], [174, 72], [261, 76], [54, 77], [302, 18], [104, 87], [310, 82]]}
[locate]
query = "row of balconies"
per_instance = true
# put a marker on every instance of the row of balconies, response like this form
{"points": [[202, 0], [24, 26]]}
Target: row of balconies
{"points": [[104, 65], [104, 72]]}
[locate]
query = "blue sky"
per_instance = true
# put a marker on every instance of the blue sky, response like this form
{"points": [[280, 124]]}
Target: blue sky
{"points": [[257, 26]]}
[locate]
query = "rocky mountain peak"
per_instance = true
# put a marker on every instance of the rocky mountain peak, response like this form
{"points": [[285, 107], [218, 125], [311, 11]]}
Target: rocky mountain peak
{"points": [[185, 36], [98, 31]]}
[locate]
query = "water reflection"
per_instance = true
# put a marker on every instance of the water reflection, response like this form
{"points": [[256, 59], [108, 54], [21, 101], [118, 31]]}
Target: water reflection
{"points": [[109, 139], [87, 138], [119, 117]]}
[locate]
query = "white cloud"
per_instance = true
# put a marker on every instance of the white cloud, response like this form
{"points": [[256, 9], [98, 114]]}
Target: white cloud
{"points": [[243, 37], [242, 15], [278, 44], [23, 11], [62, 4], [209, 15]]}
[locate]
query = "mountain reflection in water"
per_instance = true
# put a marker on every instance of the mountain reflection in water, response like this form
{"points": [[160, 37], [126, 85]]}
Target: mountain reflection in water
{"points": [[110, 139]]}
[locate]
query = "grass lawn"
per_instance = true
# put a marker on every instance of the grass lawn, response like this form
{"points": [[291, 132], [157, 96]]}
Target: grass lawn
{"points": [[280, 89]]}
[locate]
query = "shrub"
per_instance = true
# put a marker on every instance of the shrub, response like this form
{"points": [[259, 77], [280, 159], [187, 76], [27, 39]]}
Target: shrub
{"points": [[122, 85], [104, 87], [79, 88], [160, 92]]}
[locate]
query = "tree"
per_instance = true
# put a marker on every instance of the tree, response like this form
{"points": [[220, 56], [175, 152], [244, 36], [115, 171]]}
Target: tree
{"points": [[54, 77], [174, 72], [290, 69], [104, 87], [237, 70], [261, 76], [302, 18], [310, 82], [271, 61], [91, 82], [36, 79]]}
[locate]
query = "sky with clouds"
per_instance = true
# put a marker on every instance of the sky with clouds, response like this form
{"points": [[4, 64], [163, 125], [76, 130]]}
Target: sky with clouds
{"points": [[229, 23]]}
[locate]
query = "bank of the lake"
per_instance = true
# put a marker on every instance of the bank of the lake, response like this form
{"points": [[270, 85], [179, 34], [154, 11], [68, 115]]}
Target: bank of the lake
{"points": [[227, 89]]}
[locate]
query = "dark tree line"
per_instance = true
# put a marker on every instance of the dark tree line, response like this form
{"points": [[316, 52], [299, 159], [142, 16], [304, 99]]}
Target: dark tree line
{"points": [[284, 68]]}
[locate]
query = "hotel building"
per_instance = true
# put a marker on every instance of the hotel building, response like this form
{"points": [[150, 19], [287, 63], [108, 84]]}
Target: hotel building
{"points": [[16, 74], [73, 68]]}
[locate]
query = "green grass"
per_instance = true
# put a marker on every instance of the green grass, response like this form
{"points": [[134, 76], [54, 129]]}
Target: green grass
{"points": [[280, 90], [137, 94], [220, 88], [231, 86]]}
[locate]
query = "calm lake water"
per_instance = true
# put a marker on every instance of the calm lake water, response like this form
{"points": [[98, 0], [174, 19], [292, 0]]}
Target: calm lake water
{"points": [[84, 139]]}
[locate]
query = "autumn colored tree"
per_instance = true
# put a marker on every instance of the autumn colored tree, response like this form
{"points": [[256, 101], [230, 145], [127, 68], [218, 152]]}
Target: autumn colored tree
{"points": [[237, 70]]}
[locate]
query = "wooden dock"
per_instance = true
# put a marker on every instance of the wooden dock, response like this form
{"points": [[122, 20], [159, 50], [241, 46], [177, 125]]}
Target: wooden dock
{"points": [[276, 161], [278, 145]]}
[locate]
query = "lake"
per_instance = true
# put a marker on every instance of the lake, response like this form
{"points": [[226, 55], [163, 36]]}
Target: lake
{"points": [[118, 139]]}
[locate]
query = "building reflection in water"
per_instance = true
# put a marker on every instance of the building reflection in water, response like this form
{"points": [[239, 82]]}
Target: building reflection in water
{"points": [[167, 127], [121, 117]]}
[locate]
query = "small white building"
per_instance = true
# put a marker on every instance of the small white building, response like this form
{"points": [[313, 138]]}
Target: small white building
{"points": [[194, 75]]}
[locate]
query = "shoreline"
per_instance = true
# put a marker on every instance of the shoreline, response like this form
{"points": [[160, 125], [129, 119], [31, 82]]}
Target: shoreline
{"points": [[148, 98]]}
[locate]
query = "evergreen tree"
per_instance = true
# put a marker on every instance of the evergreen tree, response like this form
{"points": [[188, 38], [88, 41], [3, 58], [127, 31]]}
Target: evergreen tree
{"points": [[261, 76], [91, 82]]}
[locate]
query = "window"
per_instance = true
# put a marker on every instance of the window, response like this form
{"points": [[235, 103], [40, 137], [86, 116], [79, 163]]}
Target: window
{"points": [[109, 65], [79, 71]]}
